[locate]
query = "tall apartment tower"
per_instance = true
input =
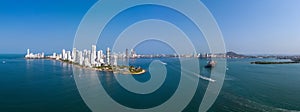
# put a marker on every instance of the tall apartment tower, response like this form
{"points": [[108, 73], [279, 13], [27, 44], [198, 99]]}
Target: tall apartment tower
{"points": [[93, 55], [98, 56], [108, 56], [64, 56], [126, 54], [69, 57], [28, 52], [115, 60], [74, 54]]}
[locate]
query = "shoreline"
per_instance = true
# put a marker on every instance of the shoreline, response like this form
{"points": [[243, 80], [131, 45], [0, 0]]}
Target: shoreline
{"points": [[269, 63], [109, 68]]}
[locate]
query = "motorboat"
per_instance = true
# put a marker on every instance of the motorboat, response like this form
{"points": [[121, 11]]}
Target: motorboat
{"points": [[211, 64]]}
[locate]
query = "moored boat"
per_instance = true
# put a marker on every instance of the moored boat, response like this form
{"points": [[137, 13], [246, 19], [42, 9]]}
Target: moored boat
{"points": [[211, 64]]}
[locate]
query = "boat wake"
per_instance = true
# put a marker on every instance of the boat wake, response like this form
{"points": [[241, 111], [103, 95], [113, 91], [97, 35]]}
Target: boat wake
{"points": [[198, 75], [205, 78], [163, 63]]}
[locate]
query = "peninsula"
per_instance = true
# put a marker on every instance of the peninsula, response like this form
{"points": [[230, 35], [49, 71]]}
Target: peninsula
{"points": [[92, 59]]}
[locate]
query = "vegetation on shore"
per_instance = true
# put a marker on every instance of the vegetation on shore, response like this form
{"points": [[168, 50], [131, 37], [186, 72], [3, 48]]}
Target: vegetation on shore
{"points": [[265, 62], [116, 69], [134, 70]]}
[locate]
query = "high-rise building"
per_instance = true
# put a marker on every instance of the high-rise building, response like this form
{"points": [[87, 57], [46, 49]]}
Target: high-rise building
{"points": [[74, 55], [101, 60], [126, 54], [93, 55], [115, 60], [69, 57], [80, 58], [133, 54], [88, 56], [108, 56], [28, 52], [101, 54], [54, 55], [98, 56], [84, 53], [64, 56]]}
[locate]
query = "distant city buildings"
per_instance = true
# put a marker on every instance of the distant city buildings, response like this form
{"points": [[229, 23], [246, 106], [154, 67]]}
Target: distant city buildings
{"points": [[31, 55], [98, 58], [94, 58]]}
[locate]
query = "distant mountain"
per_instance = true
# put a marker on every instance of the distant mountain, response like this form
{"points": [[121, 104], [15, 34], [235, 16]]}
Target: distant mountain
{"points": [[235, 55]]}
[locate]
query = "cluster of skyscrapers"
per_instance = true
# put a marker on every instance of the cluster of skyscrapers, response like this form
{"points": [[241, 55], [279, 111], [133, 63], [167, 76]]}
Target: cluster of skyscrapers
{"points": [[89, 58], [31, 55], [94, 58]]}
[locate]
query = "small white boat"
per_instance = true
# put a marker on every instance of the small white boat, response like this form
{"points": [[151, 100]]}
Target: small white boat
{"points": [[163, 63], [3, 62]]}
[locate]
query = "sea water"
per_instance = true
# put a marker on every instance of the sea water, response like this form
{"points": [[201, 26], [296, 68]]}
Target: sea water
{"points": [[48, 85]]}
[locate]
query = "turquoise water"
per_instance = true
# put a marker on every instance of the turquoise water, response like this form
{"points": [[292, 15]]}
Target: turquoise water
{"points": [[47, 85]]}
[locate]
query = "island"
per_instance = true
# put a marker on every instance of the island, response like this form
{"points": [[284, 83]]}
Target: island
{"points": [[293, 61], [296, 59], [266, 62]]}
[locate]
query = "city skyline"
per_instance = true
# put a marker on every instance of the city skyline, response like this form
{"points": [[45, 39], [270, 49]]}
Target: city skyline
{"points": [[51, 25], [87, 57]]}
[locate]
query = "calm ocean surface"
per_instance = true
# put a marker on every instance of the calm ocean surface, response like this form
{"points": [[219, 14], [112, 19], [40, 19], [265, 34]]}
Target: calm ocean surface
{"points": [[49, 86]]}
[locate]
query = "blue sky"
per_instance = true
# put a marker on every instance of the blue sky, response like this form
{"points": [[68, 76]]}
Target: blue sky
{"points": [[258, 26], [248, 26]]}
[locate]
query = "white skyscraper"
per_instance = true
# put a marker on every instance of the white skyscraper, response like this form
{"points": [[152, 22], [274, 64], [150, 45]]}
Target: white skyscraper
{"points": [[115, 60], [93, 55], [84, 53], [74, 55], [54, 55], [28, 52], [88, 56], [59, 56], [80, 58], [108, 56], [132, 53], [69, 55], [64, 56], [101, 54], [98, 56]]}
